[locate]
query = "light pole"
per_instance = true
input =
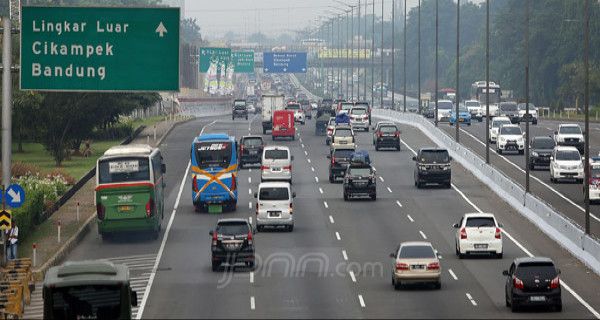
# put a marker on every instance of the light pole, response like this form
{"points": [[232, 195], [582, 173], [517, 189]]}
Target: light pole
{"points": [[372, 57], [393, 54], [381, 86], [347, 54], [586, 102], [352, 53], [487, 81], [457, 97], [436, 63], [358, 56], [527, 171], [365, 62], [419, 53], [404, 59]]}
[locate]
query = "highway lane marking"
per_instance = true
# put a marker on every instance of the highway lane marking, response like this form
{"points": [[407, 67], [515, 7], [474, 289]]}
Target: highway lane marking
{"points": [[466, 198], [473, 302], [317, 179], [250, 170], [163, 243], [208, 125], [249, 179], [305, 153], [452, 274], [410, 218], [337, 236], [398, 203], [252, 303], [345, 255], [320, 190], [361, 301], [250, 205], [388, 189], [326, 205], [250, 191], [308, 159], [423, 235], [381, 178], [331, 219], [251, 277], [352, 276], [535, 178], [312, 168], [303, 146]]}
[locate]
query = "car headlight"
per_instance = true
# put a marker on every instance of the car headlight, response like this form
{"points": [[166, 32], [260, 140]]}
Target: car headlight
{"points": [[580, 166], [502, 139], [422, 167], [446, 168], [520, 139], [535, 154]]}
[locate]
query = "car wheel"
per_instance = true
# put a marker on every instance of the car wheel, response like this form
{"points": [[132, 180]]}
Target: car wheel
{"points": [[396, 283], [531, 166], [367, 129], [264, 131], [250, 265], [232, 118], [376, 147], [156, 233], [513, 306], [558, 307], [345, 196], [290, 228], [552, 180], [326, 142], [105, 236], [241, 165], [506, 302], [215, 266], [498, 151], [448, 185], [438, 285], [499, 255], [259, 228], [469, 124], [293, 138], [521, 151], [374, 197], [580, 181]]}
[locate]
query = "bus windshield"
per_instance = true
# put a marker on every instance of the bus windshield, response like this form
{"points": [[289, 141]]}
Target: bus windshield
{"points": [[87, 302], [126, 169], [213, 154]]}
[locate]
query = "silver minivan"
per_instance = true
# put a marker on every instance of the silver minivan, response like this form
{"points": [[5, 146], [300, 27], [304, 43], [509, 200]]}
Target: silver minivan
{"points": [[276, 164], [274, 205]]}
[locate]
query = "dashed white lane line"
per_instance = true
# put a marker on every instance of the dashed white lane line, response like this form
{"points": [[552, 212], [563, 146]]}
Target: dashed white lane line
{"points": [[337, 236], [325, 204], [317, 179], [452, 274], [361, 301], [345, 255], [389, 190], [371, 166], [308, 160], [331, 219], [352, 276], [250, 205], [312, 169], [302, 145], [473, 302], [320, 190], [250, 191], [252, 304], [410, 218], [250, 170], [250, 220], [399, 204], [305, 152], [249, 179], [423, 235], [381, 178], [251, 277]]}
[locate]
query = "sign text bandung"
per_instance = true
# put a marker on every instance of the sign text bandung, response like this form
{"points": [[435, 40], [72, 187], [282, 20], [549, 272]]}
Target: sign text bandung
{"points": [[284, 62], [100, 49]]}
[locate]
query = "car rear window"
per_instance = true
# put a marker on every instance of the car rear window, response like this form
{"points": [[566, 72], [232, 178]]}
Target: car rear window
{"points": [[253, 142], [545, 143], [444, 105], [360, 172], [127, 169], [570, 130], [292, 107], [276, 154], [510, 130], [497, 124], [343, 132], [544, 270], [232, 228], [437, 156], [343, 153], [416, 252], [388, 129], [358, 111], [508, 107], [331, 122], [274, 194], [476, 222]]}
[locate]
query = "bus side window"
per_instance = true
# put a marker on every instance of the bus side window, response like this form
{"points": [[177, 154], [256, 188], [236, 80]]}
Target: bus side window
{"points": [[156, 167]]}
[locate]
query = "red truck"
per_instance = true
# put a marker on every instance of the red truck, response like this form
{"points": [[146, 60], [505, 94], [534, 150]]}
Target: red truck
{"points": [[283, 124]]}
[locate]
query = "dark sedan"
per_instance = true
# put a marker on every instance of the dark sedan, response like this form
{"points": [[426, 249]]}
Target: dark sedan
{"points": [[540, 150]]}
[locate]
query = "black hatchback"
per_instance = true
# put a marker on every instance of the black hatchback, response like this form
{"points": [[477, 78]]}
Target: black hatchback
{"points": [[251, 149], [240, 109], [232, 242], [540, 150], [533, 281]]}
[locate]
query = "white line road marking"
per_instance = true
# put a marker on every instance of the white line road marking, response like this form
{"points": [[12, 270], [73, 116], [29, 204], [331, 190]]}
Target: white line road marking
{"points": [[326, 205], [337, 235], [251, 277], [452, 274], [317, 179], [466, 199], [345, 255], [308, 159], [473, 302], [361, 301], [390, 190], [249, 179], [250, 191], [249, 170], [305, 153], [320, 190], [381, 178], [300, 138], [162, 245], [312, 169], [250, 205], [352, 276], [399, 204], [371, 166], [423, 235], [252, 304], [410, 218], [331, 219], [250, 219], [303, 146]]}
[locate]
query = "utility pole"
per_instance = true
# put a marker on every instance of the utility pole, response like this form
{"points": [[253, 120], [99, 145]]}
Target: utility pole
{"points": [[347, 55], [487, 81], [373, 57], [457, 97], [365, 62], [419, 54], [6, 110], [436, 63], [352, 53], [404, 59], [393, 55], [358, 57], [586, 102], [381, 91], [527, 171], [339, 56]]}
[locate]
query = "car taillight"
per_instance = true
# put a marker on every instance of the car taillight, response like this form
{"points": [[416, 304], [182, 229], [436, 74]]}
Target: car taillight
{"points": [[195, 184], [288, 167], [257, 208], [241, 149], [291, 208], [517, 283], [397, 134], [214, 238], [264, 168], [100, 210], [365, 117], [401, 266], [379, 134], [463, 233], [498, 233], [250, 238], [233, 183], [332, 159], [433, 266], [149, 208], [555, 283]]}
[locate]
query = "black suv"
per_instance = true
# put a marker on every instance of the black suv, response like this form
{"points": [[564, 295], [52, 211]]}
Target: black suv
{"points": [[339, 162], [510, 110], [386, 136], [532, 282], [540, 150], [232, 242], [432, 166], [360, 181], [251, 148], [240, 109]]}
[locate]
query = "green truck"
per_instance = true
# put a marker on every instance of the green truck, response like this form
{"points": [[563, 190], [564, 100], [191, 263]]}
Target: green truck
{"points": [[130, 186]]}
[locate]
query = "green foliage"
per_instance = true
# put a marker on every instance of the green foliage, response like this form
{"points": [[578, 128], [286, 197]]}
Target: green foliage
{"points": [[190, 31], [30, 214]]}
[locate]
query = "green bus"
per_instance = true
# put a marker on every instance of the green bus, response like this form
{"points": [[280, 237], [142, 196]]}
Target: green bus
{"points": [[130, 186], [88, 290]]}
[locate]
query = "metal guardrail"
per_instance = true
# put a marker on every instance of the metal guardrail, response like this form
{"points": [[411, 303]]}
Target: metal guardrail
{"points": [[195, 109], [561, 229]]}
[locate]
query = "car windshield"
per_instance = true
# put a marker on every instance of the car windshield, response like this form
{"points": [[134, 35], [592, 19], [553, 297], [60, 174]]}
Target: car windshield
{"points": [[595, 172], [332, 121], [462, 109], [445, 105], [568, 155], [477, 222], [570, 130], [542, 270], [232, 228], [253, 142], [508, 107], [343, 153], [497, 124], [435, 156], [360, 172], [416, 252], [523, 105], [239, 103], [347, 106], [268, 193], [545, 143], [388, 129], [292, 107], [472, 104], [276, 154], [358, 111], [343, 132], [127, 169], [510, 130], [213, 154]]}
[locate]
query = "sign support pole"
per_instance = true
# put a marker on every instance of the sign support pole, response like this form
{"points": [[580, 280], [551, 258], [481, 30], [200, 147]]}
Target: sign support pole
{"points": [[6, 115]]}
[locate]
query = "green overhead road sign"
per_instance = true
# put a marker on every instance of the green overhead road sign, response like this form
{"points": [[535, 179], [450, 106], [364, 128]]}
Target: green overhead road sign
{"points": [[99, 49], [213, 55], [243, 61]]}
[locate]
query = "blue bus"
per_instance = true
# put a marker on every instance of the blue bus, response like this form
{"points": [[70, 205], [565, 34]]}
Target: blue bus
{"points": [[214, 172]]}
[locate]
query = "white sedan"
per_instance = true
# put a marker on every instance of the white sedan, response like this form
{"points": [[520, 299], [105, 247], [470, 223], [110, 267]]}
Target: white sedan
{"points": [[478, 233]]}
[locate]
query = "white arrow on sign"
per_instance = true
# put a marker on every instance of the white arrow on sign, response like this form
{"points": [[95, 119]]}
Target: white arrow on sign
{"points": [[284, 69], [161, 29], [16, 196]]}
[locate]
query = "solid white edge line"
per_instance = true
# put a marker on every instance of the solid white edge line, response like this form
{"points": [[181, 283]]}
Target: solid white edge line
{"points": [[452, 274], [337, 235], [345, 255], [252, 303], [162, 245], [249, 190], [423, 235], [410, 218], [352, 276], [331, 219], [361, 301], [399, 204]]}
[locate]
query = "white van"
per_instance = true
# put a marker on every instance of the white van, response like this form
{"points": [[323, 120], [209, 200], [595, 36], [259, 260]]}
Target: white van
{"points": [[274, 205], [276, 164]]}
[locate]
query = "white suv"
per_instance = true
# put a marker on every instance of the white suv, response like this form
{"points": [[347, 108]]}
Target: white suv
{"points": [[274, 205], [497, 122], [569, 135], [510, 137], [565, 163], [343, 135], [478, 233], [359, 118], [298, 112], [474, 108], [276, 164]]}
